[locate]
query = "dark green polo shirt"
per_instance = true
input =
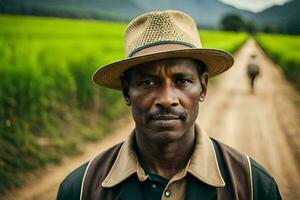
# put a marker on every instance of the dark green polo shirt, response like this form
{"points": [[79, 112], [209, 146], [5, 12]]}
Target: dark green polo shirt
{"points": [[153, 187]]}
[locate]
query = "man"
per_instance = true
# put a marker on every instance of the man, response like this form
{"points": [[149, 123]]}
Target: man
{"points": [[167, 156], [252, 71]]}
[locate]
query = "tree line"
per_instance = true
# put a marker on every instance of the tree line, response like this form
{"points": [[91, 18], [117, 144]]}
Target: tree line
{"points": [[234, 22]]}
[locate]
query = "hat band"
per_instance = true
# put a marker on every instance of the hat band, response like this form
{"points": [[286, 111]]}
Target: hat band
{"points": [[160, 46]]}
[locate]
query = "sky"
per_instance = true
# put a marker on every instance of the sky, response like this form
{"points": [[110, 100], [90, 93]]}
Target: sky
{"points": [[254, 5]]}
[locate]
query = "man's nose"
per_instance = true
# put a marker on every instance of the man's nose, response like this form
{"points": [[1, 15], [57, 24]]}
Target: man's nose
{"points": [[167, 97]]}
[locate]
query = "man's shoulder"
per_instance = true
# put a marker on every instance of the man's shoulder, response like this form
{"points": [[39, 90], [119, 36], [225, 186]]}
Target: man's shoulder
{"points": [[70, 187], [264, 184], [256, 168], [259, 170]]}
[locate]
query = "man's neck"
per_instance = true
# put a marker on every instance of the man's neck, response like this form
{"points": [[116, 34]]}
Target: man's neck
{"points": [[165, 159]]}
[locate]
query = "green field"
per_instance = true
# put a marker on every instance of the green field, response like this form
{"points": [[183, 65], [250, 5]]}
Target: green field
{"points": [[285, 50], [48, 103], [228, 41]]}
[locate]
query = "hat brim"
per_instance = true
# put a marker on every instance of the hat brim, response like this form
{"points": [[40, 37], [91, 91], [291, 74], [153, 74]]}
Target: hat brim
{"points": [[216, 61]]}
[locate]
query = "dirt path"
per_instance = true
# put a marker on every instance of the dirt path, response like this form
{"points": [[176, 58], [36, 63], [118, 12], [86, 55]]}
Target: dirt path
{"points": [[45, 186], [255, 124], [259, 124]]}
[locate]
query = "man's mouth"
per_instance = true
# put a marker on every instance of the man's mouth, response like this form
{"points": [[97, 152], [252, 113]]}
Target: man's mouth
{"points": [[166, 121], [166, 117]]}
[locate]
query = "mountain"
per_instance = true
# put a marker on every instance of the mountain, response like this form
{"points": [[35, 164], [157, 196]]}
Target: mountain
{"points": [[118, 10], [207, 13], [285, 17], [280, 14]]}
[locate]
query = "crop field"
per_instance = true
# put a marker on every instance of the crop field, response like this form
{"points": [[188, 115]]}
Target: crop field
{"points": [[48, 103], [284, 50], [227, 41]]}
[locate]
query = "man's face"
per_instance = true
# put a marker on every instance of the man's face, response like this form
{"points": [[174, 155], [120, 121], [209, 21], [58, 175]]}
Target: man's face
{"points": [[164, 96]]}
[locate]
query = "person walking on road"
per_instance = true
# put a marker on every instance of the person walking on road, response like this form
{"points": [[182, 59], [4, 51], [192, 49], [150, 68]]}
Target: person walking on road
{"points": [[167, 155], [252, 71]]}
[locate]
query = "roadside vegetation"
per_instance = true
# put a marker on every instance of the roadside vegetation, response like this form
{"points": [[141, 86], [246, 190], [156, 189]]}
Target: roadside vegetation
{"points": [[48, 103], [225, 40], [285, 51]]}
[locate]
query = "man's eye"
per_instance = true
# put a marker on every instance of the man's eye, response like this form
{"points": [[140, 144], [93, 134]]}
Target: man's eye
{"points": [[182, 81], [148, 83]]}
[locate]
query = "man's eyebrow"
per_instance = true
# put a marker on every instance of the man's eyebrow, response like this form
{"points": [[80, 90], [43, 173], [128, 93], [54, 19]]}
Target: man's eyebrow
{"points": [[146, 74], [153, 74], [184, 74]]}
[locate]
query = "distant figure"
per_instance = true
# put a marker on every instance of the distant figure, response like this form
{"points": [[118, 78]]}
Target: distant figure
{"points": [[252, 71]]}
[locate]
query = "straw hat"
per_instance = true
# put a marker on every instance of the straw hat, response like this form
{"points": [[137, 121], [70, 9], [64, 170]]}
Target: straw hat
{"points": [[159, 35]]}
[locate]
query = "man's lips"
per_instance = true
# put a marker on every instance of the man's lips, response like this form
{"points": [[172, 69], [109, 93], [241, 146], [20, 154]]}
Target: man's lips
{"points": [[166, 117], [166, 120]]}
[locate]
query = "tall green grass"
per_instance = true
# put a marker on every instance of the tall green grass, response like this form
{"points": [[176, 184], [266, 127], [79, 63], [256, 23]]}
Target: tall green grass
{"points": [[285, 50], [223, 40], [45, 84], [48, 103]]}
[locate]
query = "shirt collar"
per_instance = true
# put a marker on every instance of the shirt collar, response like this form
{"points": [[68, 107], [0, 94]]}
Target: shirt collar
{"points": [[203, 163]]}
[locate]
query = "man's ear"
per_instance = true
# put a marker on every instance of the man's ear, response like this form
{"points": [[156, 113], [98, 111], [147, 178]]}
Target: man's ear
{"points": [[127, 99], [203, 82], [125, 91]]}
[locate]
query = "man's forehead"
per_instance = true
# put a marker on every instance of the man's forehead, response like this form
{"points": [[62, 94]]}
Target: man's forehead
{"points": [[176, 65]]}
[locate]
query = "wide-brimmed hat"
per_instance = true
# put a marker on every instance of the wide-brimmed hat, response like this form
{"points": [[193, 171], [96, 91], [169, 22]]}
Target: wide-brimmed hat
{"points": [[160, 35]]}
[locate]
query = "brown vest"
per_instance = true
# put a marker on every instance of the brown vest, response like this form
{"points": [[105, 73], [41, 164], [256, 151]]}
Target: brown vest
{"points": [[237, 167]]}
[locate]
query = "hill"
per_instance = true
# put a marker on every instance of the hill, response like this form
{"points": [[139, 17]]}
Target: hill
{"points": [[96, 9], [290, 10], [207, 13], [285, 17]]}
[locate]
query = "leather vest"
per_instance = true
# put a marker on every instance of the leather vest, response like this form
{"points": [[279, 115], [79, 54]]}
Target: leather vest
{"points": [[235, 168]]}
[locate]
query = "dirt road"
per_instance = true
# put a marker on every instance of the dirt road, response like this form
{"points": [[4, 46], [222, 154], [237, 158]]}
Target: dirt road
{"points": [[255, 124]]}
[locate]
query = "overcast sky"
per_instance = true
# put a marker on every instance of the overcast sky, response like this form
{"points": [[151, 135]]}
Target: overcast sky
{"points": [[254, 5]]}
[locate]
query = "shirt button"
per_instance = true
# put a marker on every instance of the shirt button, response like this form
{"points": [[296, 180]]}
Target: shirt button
{"points": [[167, 193], [153, 186]]}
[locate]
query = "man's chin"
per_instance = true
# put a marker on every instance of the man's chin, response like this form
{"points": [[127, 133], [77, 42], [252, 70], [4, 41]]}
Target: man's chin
{"points": [[166, 136]]}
